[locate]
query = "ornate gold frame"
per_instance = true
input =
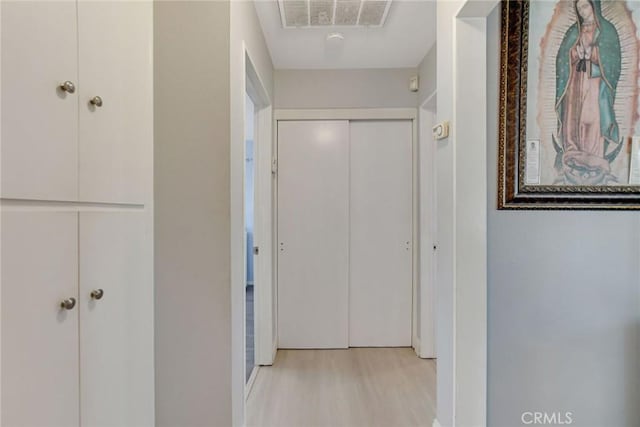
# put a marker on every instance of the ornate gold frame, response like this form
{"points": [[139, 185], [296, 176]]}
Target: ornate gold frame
{"points": [[512, 191]]}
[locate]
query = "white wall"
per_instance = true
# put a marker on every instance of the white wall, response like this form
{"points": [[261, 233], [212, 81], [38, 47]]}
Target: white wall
{"points": [[371, 88], [199, 126], [564, 299], [427, 71], [427, 78], [470, 222], [446, 11], [199, 157], [192, 217], [563, 287], [245, 32]]}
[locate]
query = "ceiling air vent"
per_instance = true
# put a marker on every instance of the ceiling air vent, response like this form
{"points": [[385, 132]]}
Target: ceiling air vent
{"points": [[336, 13]]}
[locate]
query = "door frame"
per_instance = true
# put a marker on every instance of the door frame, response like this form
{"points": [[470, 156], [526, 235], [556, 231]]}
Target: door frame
{"points": [[363, 114], [428, 228], [262, 230], [468, 110]]}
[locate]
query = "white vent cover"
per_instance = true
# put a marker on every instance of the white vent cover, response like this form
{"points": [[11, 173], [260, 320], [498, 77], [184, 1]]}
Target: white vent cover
{"points": [[338, 13]]}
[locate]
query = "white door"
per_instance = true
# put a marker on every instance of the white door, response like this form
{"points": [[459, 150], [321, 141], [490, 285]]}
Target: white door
{"points": [[39, 337], [116, 64], [380, 297], [39, 120], [116, 321], [313, 234]]}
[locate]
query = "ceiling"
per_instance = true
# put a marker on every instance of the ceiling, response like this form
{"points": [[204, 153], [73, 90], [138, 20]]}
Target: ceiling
{"points": [[407, 35]]}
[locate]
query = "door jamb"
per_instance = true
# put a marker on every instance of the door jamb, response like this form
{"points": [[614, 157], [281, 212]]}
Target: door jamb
{"points": [[469, 139], [263, 335], [428, 227]]}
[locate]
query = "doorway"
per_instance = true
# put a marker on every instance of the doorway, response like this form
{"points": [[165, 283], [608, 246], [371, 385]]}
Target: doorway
{"points": [[456, 282], [347, 204], [252, 267], [345, 233]]}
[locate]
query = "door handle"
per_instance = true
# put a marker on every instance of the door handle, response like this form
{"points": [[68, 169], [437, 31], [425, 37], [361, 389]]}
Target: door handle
{"points": [[68, 87], [97, 294], [68, 303], [96, 101]]}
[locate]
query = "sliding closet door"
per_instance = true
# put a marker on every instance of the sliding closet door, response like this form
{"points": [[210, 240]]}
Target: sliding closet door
{"points": [[313, 234], [380, 299]]}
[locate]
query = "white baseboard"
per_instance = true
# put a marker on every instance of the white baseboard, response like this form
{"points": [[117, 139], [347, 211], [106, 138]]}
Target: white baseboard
{"points": [[416, 345], [436, 423], [252, 380]]}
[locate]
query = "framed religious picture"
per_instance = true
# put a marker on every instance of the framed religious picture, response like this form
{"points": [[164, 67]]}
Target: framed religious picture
{"points": [[569, 85]]}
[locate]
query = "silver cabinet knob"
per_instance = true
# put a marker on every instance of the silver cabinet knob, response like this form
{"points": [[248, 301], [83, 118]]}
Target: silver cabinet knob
{"points": [[68, 87], [97, 294], [96, 101], [68, 303]]}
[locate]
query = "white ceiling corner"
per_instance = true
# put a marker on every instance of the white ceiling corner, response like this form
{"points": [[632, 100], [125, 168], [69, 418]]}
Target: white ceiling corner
{"points": [[406, 36]]}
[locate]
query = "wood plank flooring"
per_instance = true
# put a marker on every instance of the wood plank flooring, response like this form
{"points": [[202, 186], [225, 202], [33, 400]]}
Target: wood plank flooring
{"points": [[358, 387]]}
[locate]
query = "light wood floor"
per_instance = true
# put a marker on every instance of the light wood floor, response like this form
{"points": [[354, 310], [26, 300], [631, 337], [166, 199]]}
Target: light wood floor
{"points": [[358, 387]]}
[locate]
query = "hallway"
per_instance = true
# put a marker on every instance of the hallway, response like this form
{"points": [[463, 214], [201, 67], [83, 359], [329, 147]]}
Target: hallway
{"points": [[355, 387]]}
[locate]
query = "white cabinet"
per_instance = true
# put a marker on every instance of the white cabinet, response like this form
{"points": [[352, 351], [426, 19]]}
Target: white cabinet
{"points": [[115, 54], [116, 321], [39, 120], [59, 145], [40, 384], [90, 364]]}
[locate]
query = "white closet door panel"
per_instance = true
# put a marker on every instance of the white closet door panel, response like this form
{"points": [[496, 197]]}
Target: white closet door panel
{"points": [[380, 300], [313, 227], [39, 339], [39, 121], [115, 64], [116, 331]]}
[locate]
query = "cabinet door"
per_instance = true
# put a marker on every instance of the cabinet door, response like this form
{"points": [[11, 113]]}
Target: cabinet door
{"points": [[115, 54], [39, 338], [116, 327], [39, 120]]}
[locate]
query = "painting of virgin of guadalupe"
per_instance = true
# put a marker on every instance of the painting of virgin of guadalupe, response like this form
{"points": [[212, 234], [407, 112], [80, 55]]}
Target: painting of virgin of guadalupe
{"points": [[588, 66], [569, 83]]}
